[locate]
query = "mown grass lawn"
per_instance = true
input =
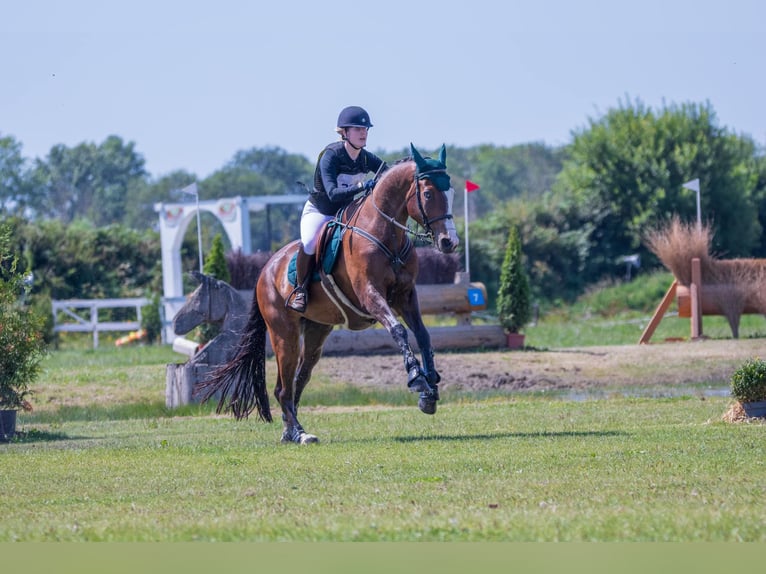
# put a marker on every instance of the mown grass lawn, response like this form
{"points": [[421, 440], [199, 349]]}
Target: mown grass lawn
{"points": [[506, 469]]}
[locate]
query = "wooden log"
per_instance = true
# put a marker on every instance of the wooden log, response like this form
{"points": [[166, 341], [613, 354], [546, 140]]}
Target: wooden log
{"points": [[710, 296], [452, 298], [379, 341]]}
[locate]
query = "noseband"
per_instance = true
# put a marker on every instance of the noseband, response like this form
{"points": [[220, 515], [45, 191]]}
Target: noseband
{"points": [[426, 221]]}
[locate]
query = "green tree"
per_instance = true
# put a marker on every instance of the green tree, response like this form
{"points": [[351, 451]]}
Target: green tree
{"points": [[13, 195], [215, 264], [21, 342], [264, 172], [626, 172], [513, 303], [144, 195], [88, 181]]}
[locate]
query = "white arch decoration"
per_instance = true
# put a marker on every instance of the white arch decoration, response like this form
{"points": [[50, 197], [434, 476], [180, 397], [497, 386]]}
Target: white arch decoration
{"points": [[233, 213]]}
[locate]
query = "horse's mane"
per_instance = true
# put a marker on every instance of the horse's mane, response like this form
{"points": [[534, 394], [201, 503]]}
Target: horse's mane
{"points": [[397, 168]]}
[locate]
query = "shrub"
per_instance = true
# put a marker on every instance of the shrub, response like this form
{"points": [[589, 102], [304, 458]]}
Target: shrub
{"points": [[748, 383], [513, 294], [21, 341]]}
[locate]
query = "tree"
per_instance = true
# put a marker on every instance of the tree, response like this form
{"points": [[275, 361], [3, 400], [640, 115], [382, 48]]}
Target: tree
{"points": [[513, 307], [13, 197], [21, 340], [626, 172], [88, 181]]}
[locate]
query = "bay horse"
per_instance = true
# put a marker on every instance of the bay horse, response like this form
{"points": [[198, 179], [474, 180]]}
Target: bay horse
{"points": [[373, 280]]}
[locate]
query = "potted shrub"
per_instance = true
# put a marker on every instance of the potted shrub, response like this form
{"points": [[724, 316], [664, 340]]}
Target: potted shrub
{"points": [[748, 386], [513, 295], [21, 341]]}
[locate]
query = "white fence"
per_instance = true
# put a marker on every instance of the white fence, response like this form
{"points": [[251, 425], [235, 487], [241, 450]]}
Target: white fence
{"points": [[75, 309]]}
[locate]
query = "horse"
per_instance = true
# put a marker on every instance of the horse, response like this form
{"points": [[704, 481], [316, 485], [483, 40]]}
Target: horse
{"points": [[372, 280], [213, 301]]}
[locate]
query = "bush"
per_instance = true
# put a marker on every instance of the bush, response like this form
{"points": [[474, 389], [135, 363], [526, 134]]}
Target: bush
{"points": [[513, 295], [748, 383], [21, 341]]}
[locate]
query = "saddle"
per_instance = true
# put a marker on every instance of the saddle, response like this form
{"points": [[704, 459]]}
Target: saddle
{"points": [[329, 245]]}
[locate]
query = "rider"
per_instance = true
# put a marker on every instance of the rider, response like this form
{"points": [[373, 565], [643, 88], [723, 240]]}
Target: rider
{"points": [[339, 175]]}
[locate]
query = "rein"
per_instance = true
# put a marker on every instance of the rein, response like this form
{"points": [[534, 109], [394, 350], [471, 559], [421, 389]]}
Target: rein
{"points": [[398, 259]]}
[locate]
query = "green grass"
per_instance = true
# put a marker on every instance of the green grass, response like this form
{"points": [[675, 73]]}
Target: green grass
{"points": [[102, 459], [502, 470]]}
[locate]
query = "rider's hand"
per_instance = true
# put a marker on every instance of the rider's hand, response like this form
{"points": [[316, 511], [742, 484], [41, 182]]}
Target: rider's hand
{"points": [[368, 185]]}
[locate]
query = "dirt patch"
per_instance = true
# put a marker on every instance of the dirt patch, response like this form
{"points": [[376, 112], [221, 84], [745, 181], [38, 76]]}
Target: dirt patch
{"points": [[709, 362]]}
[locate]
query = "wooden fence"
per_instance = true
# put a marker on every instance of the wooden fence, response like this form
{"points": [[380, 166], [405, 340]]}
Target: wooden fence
{"points": [[83, 315]]}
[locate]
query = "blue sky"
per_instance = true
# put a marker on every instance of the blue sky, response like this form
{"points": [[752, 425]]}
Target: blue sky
{"points": [[192, 83]]}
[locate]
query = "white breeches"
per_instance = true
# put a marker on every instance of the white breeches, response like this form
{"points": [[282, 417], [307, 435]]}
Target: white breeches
{"points": [[311, 222]]}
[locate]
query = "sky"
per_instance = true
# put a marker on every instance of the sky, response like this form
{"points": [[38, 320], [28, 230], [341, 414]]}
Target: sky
{"points": [[191, 83]]}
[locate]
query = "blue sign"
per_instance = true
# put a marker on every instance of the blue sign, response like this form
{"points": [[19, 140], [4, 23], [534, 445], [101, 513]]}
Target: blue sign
{"points": [[476, 297]]}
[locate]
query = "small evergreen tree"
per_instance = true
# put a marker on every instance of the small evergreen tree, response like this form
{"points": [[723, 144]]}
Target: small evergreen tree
{"points": [[216, 262], [513, 295], [215, 266], [22, 346]]}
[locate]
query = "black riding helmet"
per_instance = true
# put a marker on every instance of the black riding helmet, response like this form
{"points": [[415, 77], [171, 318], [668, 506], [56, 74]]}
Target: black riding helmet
{"points": [[354, 116]]}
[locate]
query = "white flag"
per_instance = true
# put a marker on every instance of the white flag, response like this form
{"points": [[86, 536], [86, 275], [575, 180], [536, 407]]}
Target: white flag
{"points": [[190, 189], [694, 185]]}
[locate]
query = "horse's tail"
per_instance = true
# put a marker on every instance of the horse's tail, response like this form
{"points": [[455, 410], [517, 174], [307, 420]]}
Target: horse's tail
{"points": [[242, 381]]}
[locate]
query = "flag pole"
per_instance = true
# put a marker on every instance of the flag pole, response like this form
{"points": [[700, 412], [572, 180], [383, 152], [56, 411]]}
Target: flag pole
{"points": [[694, 185], [465, 216], [192, 190]]}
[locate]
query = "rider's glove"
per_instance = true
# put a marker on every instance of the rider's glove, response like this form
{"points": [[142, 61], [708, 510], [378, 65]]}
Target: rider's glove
{"points": [[367, 185]]}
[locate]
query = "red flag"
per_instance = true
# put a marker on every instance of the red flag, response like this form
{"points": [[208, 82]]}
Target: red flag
{"points": [[470, 186]]}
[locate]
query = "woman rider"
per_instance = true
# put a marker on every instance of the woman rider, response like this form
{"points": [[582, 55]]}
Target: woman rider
{"points": [[339, 175]]}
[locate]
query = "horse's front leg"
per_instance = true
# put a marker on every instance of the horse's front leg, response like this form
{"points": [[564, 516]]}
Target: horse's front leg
{"points": [[417, 379], [414, 320]]}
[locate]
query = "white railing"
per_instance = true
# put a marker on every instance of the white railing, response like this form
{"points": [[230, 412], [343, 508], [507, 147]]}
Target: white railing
{"points": [[74, 308]]}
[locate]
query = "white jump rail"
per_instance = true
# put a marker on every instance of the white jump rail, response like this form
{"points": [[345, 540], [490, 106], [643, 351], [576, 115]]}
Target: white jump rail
{"points": [[76, 309]]}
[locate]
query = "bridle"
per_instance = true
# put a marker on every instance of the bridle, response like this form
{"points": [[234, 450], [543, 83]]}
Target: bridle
{"points": [[398, 259]]}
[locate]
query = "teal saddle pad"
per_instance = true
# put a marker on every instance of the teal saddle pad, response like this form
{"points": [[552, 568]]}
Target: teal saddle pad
{"points": [[330, 254]]}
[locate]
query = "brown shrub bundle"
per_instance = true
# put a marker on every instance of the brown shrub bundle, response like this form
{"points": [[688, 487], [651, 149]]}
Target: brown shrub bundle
{"points": [[676, 243]]}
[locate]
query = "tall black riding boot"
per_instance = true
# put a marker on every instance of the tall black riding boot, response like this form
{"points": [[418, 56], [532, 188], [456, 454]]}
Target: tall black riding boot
{"points": [[304, 266]]}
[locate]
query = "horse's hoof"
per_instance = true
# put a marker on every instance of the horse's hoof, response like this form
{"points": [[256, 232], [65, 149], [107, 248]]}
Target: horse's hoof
{"points": [[307, 438], [298, 437], [427, 404], [418, 382]]}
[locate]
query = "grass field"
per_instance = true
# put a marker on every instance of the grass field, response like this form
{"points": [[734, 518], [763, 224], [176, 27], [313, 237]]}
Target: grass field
{"points": [[101, 459]]}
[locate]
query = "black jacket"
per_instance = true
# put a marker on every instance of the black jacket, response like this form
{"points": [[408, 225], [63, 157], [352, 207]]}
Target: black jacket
{"points": [[331, 190]]}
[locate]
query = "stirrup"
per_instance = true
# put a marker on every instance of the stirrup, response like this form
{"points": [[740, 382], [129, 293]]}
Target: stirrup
{"points": [[297, 299]]}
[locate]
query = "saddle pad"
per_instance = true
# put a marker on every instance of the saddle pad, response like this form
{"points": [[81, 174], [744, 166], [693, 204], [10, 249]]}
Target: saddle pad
{"points": [[329, 255]]}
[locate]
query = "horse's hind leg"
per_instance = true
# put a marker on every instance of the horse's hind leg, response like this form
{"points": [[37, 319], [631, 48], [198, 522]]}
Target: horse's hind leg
{"points": [[314, 337], [294, 373]]}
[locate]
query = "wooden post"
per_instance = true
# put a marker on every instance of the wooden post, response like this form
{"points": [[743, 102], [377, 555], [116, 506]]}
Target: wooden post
{"points": [[695, 290], [659, 313]]}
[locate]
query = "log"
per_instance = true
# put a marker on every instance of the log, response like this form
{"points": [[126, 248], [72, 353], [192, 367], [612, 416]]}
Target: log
{"points": [[711, 294], [452, 298], [379, 341]]}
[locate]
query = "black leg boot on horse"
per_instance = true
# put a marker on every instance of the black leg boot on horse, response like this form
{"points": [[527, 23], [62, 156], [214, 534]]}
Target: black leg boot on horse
{"points": [[304, 267]]}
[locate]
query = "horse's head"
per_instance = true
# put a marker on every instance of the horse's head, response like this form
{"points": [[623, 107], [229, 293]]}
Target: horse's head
{"points": [[201, 306], [431, 204]]}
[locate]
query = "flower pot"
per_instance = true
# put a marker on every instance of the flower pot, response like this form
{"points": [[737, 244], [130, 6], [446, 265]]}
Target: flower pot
{"points": [[757, 409], [514, 340], [7, 425]]}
